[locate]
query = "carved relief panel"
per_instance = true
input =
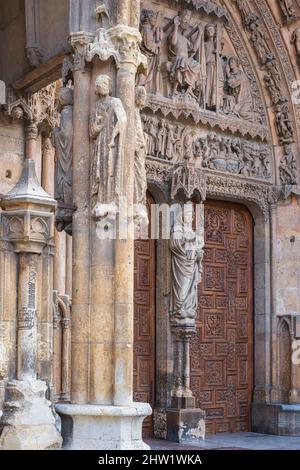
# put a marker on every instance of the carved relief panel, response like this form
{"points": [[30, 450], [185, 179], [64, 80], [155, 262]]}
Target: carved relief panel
{"points": [[204, 106], [192, 63]]}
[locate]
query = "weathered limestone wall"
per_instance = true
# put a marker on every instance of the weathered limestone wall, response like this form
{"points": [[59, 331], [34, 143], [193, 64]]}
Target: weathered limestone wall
{"points": [[12, 40], [11, 153], [54, 17], [11, 162], [288, 258]]}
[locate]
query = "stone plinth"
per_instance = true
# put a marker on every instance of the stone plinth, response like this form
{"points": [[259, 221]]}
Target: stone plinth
{"points": [[28, 422], [99, 427], [28, 224], [185, 425], [279, 419]]}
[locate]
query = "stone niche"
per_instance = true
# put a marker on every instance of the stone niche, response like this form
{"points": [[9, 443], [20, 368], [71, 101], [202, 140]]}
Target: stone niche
{"points": [[204, 106]]}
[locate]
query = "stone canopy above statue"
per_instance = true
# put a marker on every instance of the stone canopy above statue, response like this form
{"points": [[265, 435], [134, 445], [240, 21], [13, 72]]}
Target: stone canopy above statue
{"points": [[193, 64]]}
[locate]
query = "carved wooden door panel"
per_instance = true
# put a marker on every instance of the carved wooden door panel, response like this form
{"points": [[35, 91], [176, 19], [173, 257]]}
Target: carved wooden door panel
{"points": [[144, 324], [222, 348]]}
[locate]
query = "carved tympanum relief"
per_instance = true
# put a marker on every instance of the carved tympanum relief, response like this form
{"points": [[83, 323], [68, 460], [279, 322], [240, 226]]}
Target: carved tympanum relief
{"points": [[107, 130], [192, 63], [200, 78], [176, 143]]}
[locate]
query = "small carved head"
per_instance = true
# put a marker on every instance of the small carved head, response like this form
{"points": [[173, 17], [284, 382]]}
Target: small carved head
{"points": [[287, 149], [148, 16], [17, 113], [103, 85], [140, 96], [210, 31], [185, 18], [188, 214], [65, 96], [233, 63]]}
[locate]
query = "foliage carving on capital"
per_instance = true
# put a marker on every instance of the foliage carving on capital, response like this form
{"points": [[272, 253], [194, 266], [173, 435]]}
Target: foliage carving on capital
{"points": [[120, 42], [79, 43]]}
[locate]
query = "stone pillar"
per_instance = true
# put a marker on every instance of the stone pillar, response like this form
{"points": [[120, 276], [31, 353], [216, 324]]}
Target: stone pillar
{"points": [[124, 249], [27, 316], [102, 412], [274, 372], [28, 220], [59, 265], [69, 248], [81, 223]]}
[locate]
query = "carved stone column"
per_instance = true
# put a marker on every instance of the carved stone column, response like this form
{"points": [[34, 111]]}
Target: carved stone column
{"points": [[31, 131], [102, 412], [184, 421], [81, 221], [48, 166], [28, 224], [182, 396]]}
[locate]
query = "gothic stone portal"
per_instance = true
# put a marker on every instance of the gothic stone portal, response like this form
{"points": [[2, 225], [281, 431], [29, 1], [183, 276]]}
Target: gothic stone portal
{"points": [[222, 349]]}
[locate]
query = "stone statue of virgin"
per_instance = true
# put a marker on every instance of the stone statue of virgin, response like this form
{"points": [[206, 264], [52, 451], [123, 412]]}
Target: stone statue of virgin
{"points": [[186, 248]]}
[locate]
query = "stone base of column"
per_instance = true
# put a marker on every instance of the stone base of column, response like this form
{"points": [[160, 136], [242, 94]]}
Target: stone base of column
{"points": [[179, 403], [185, 425], [28, 422], [103, 427], [278, 419]]}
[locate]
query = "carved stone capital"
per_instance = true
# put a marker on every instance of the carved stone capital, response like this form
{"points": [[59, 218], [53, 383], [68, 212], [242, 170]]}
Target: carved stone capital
{"points": [[120, 42], [182, 333], [79, 42], [31, 131], [38, 109]]}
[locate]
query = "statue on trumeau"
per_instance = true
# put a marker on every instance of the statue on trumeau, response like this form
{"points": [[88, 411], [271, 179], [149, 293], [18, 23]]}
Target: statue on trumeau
{"points": [[187, 254]]}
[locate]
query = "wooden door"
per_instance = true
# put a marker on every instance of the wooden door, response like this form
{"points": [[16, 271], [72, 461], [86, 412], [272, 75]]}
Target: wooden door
{"points": [[144, 324], [222, 348]]}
